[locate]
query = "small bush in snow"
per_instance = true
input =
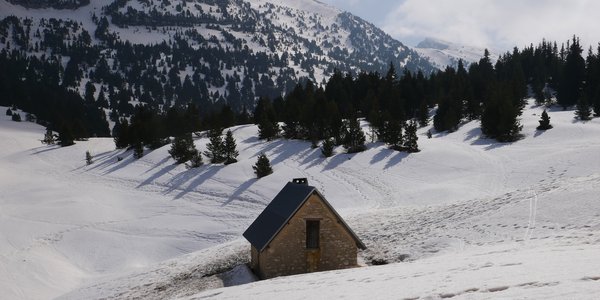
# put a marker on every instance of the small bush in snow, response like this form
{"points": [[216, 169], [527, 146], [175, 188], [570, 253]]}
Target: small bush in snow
{"points": [[195, 161], [88, 158], [16, 117]]}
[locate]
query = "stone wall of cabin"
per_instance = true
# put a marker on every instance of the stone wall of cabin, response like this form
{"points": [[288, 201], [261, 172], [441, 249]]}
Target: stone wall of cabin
{"points": [[287, 253]]}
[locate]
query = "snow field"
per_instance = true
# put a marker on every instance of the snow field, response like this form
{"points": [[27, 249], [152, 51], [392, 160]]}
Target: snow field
{"points": [[151, 229]]}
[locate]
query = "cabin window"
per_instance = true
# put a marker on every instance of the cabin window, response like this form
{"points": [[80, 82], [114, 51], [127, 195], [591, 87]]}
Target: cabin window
{"points": [[312, 234]]}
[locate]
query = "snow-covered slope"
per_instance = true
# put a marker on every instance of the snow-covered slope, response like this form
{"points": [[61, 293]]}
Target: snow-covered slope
{"points": [[442, 53], [282, 41], [469, 217]]}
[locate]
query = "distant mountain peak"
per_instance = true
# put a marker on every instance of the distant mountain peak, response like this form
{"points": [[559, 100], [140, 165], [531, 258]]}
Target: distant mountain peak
{"points": [[443, 53], [433, 44]]}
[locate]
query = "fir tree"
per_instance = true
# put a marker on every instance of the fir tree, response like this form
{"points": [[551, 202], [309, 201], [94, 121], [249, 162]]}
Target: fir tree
{"points": [[411, 138], [423, 114], [393, 134], [500, 119], [65, 137], [183, 148], [584, 111], [538, 94], [596, 104], [88, 158], [195, 161], [49, 138], [262, 167], [121, 133], [327, 147], [138, 150], [230, 153], [8, 112], [215, 147], [544, 121], [354, 139], [573, 75], [267, 129]]}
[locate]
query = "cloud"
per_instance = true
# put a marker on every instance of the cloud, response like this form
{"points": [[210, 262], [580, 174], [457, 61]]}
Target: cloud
{"points": [[495, 23]]}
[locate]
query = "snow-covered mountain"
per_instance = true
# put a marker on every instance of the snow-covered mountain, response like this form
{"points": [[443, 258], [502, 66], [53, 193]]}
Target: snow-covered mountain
{"points": [[466, 217], [57, 4], [232, 51], [443, 53]]}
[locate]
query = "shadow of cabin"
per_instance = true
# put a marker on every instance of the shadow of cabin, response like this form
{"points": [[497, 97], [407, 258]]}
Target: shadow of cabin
{"points": [[300, 232]]}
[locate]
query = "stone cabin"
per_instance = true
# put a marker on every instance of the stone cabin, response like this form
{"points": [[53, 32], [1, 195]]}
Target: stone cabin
{"points": [[300, 232]]}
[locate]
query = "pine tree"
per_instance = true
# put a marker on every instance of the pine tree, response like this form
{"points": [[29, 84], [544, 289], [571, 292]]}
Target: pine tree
{"points": [[138, 150], [584, 111], [267, 129], [354, 139], [121, 133], [183, 148], [500, 120], [538, 94], [596, 103], [262, 167], [49, 138], [16, 117], [423, 114], [230, 153], [544, 121], [88, 158], [573, 75], [215, 146], [393, 134], [266, 119], [411, 138], [195, 161], [327, 147], [65, 137], [8, 112]]}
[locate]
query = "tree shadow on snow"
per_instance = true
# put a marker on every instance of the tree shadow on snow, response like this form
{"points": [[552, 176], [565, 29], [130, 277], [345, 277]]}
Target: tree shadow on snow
{"points": [[208, 173], [161, 162], [381, 155], [122, 160], [43, 149], [251, 140], [157, 174], [396, 159], [284, 151], [313, 158], [538, 133], [473, 134], [240, 190], [336, 160], [490, 144], [99, 161]]}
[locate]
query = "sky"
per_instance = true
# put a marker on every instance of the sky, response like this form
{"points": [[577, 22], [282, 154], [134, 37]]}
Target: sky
{"points": [[496, 24]]}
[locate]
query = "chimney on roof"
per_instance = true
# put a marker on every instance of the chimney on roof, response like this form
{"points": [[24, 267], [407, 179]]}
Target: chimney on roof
{"points": [[302, 181]]}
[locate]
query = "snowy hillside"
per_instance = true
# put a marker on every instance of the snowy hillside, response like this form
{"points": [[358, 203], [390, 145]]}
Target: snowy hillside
{"points": [[442, 53], [465, 217], [232, 51]]}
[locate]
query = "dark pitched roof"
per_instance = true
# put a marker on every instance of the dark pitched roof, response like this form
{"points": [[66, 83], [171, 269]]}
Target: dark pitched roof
{"points": [[283, 207]]}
